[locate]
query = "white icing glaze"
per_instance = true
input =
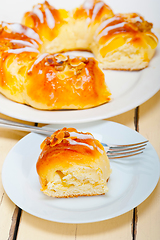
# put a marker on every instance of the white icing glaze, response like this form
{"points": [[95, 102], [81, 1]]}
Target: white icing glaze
{"points": [[96, 9], [72, 142], [87, 72], [39, 13], [100, 150], [49, 18], [108, 21], [15, 27], [18, 28], [107, 29], [137, 19], [21, 50], [39, 59], [81, 135], [32, 34], [88, 4], [105, 23], [28, 44]]}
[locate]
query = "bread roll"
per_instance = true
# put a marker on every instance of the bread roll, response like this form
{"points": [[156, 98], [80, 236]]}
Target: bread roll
{"points": [[32, 72], [118, 41], [62, 30], [47, 81], [19, 47], [73, 164], [124, 42]]}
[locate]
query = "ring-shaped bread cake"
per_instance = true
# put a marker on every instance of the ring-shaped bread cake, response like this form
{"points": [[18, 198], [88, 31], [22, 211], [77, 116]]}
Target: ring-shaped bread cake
{"points": [[34, 71]]}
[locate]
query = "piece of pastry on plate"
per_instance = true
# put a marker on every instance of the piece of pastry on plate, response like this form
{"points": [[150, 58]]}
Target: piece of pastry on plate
{"points": [[73, 164], [62, 30], [124, 42]]}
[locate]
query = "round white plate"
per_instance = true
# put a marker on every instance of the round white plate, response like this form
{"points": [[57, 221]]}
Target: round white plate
{"points": [[129, 89], [131, 182]]}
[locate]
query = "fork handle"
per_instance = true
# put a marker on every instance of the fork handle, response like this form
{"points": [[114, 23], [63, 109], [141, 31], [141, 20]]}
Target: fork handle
{"points": [[25, 127], [28, 128]]}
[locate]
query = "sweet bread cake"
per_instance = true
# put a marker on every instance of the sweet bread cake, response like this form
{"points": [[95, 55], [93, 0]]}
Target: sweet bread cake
{"points": [[124, 42], [62, 30], [118, 41], [34, 71], [73, 164], [47, 81], [43, 80]]}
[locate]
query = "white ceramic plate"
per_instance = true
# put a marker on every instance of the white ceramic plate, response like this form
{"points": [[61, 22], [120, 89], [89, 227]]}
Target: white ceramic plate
{"points": [[131, 182], [129, 89]]}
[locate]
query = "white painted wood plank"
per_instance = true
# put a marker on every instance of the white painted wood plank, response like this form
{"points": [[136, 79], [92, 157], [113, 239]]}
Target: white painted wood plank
{"points": [[149, 210], [8, 139]]}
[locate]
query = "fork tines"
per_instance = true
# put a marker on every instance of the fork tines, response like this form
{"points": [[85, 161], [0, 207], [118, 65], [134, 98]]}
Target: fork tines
{"points": [[128, 145], [122, 151]]}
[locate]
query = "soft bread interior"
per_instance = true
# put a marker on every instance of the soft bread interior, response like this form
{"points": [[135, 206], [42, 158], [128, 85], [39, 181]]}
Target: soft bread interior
{"points": [[73, 164], [82, 181]]}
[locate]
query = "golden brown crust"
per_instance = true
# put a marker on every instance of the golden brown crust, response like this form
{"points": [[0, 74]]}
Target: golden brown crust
{"points": [[125, 42], [110, 32], [95, 10], [58, 146], [43, 24], [131, 23], [62, 30], [47, 81], [72, 164], [40, 79], [67, 83], [30, 74]]}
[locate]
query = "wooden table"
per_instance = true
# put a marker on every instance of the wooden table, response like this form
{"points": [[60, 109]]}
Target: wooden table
{"points": [[141, 223]]}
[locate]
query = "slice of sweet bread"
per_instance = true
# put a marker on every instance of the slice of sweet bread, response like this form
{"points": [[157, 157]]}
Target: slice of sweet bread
{"points": [[73, 164]]}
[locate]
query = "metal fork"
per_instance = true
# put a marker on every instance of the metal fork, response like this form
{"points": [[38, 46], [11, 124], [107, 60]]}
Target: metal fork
{"points": [[113, 151], [122, 151]]}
